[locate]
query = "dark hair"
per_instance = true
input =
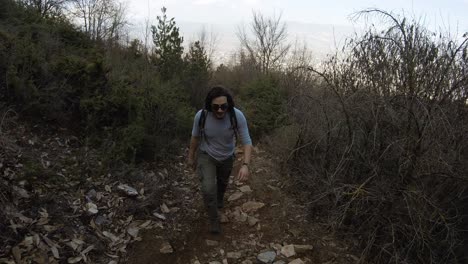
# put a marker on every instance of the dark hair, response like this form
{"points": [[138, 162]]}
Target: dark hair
{"points": [[218, 91]]}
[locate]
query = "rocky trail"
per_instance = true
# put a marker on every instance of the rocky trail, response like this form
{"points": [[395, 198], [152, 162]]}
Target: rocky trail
{"points": [[62, 203], [260, 224]]}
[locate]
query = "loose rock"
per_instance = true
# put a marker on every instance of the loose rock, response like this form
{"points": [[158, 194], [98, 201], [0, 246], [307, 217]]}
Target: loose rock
{"points": [[234, 255], [267, 257], [303, 248], [130, 191], [296, 261], [166, 248], [288, 251], [212, 243], [235, 196], [252, 206]]}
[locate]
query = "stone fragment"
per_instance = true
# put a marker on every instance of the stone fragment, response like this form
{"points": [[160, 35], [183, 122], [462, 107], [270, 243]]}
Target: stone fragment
{"points": [[245, 189], [91, 208], [234, 255], [303, 248], [297, 261], [166, 248], [235, 196], [252, 206], [288, 251], [160, 216], [266, 257], [128, 190], [252, 220], [212, 243], [164, 208], [224, 218]]}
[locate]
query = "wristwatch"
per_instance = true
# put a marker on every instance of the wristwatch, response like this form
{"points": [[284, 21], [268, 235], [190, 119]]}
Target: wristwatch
{"points": [[246, 164]]}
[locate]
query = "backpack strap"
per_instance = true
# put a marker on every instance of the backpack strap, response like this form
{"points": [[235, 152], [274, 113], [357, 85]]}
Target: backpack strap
{"points": [[233, 119], [201, 124]]}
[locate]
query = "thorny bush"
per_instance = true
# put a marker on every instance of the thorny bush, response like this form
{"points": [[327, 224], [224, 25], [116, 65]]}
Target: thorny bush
{"points": [[383, 147]]}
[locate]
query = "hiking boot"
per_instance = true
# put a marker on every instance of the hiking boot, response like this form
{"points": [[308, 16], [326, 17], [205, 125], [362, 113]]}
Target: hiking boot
{"points": [[215, 227]]}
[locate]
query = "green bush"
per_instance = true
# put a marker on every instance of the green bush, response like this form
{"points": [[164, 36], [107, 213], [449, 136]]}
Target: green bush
{"points": [[264, 105], [116, 96]]}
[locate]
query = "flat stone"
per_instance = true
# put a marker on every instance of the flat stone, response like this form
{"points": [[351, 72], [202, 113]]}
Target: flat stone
{"points": [[224, 218], [303, 248], [252, 220], [288, 251], [128, 190], [164, 208], [160, 216], [267, 257], [297, 261], [276, 246], [234, 255], [212, 243], [241, 217], [235, 196], [166, 248], [245, 189], [252, 206]]}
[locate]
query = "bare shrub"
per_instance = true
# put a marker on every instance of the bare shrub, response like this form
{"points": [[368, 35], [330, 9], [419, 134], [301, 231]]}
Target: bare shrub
{"points": [[383, 147]]}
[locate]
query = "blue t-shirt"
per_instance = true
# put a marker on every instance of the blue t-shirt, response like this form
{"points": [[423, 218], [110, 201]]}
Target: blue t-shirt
{"points": [[220, 135]]}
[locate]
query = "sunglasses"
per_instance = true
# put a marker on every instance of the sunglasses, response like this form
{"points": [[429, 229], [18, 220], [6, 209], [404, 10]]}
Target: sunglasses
{"points": [[216, 107]]}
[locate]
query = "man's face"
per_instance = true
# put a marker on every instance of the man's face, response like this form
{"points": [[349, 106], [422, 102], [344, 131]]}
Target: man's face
{"points": [[219, 106]]}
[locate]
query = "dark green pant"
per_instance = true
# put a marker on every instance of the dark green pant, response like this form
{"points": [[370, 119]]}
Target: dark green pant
{"points": [[214, 178]]}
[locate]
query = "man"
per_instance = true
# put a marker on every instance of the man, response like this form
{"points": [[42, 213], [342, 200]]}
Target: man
{"points": [[215, 131]]}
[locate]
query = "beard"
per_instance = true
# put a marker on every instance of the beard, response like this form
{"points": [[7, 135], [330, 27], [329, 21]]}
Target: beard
{"points": [[219, 115]]}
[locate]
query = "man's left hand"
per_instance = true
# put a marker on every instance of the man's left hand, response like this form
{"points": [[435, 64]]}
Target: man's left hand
{"points": [[243, 174]]}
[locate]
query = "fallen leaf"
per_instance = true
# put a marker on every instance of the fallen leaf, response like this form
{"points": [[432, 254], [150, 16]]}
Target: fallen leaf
{"points": [[75, 259], [87, 250], [55, 252], [146, 224], [130, 191], [91, 208], [160, 216], [16, 254], [133, 231], [164, 208], [111, 236]]}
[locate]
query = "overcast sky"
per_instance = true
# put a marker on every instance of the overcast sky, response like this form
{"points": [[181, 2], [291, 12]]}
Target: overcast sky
{"points": [[309, 11], [436, 15]]}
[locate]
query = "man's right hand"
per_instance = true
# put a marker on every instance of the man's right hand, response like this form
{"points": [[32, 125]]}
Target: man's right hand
{"points": [[192, 164]]}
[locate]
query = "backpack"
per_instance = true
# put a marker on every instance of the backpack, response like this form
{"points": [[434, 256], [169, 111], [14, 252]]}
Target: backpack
{"points": [[202, 121]]}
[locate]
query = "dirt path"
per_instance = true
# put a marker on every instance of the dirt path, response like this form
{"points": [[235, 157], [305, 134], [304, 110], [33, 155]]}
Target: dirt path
{"points": [[261, 224], [66, 206]]}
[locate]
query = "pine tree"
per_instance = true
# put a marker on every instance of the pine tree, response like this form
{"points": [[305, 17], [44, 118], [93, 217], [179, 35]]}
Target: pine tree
{"points": [[198, 73], [167, 55]]}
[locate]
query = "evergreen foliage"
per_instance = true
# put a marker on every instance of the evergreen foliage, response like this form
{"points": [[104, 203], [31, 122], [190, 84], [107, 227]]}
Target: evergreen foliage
{"points": [[197, 73], [113, 95], [264, 104], [168, 49]]}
